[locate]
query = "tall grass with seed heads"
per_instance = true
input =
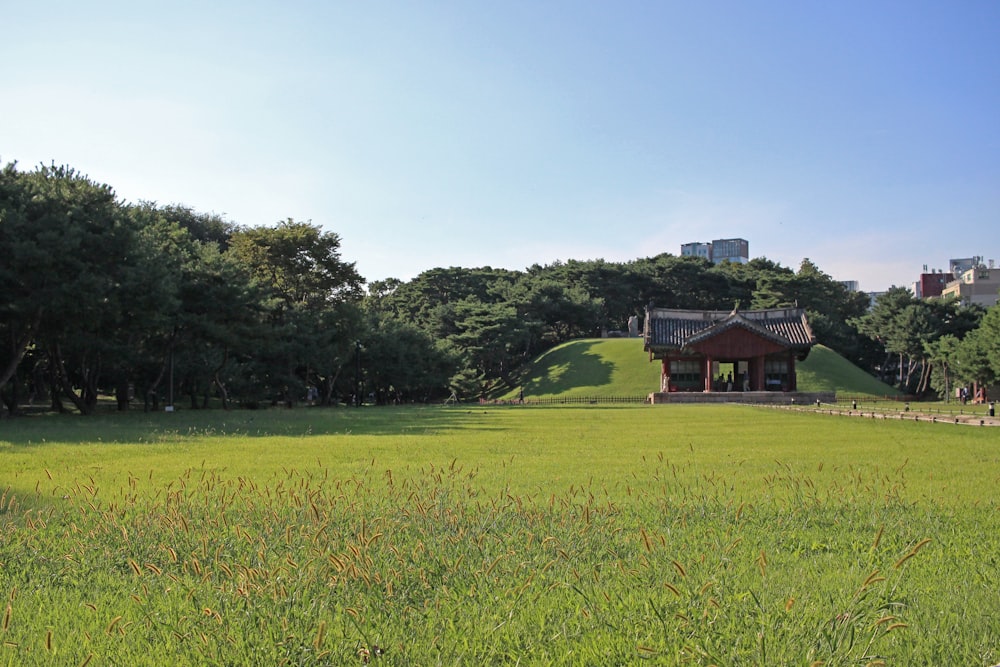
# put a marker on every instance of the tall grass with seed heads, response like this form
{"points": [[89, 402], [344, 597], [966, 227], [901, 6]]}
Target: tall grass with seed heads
{"points": [[690, 535]]}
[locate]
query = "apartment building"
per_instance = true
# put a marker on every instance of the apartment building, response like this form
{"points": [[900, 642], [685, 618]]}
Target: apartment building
{"points": [[719, 250], [979, 284]]}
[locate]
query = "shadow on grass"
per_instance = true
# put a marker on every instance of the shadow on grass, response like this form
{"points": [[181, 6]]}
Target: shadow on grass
{"points": [[156, 428], [572, 366]]}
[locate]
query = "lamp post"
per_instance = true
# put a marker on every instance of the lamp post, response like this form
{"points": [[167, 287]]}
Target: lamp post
{"points": [[170, 389], [357, 373]]}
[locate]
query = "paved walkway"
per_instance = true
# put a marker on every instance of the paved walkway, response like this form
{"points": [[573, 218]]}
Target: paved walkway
{"points": [[903, 415]]}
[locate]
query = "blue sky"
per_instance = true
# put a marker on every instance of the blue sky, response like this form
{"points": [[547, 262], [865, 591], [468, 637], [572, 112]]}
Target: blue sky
{"points": [[862, 135]]}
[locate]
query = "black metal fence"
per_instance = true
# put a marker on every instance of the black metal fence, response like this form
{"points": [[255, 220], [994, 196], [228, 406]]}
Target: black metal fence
{"points": [[573, 400]]}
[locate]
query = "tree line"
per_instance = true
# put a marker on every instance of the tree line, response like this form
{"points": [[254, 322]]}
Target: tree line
{"points": [[153, 304], [932, 346]]}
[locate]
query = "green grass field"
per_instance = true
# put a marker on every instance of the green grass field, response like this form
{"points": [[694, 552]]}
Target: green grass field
{"points": [[533, 535]]}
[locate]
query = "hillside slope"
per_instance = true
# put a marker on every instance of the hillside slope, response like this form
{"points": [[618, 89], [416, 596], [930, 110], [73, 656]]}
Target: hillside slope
{"points": [[592, 367], [825, 370], [620, 367]]}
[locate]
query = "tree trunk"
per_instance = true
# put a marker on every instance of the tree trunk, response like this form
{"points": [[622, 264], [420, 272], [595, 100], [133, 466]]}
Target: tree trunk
{"points": [[80, 401], [328, 383], [9, 400], [223, 394], [18, 349], [55, 394], [911, 365], [121, 394], [925, 377], [947, 387], [217, 381], [884, 374], [150, 394], [90, 378]]}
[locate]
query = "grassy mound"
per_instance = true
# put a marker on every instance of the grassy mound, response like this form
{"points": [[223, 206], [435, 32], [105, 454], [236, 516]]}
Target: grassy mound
{"points": [[591, 367], [620, 367], [825, 370]]}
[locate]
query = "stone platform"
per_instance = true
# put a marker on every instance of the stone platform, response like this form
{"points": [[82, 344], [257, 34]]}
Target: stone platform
{"points": [[768, 397]]}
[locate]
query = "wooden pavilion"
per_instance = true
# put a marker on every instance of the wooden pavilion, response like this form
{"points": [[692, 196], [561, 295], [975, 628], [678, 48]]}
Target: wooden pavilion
{"points": [[718, 351]]}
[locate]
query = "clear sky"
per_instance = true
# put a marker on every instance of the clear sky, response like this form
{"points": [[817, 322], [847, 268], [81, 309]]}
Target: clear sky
{"points": [[864, 135]]}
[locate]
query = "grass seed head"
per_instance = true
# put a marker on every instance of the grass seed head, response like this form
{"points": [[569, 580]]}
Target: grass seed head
{"points": [[913, 552]]}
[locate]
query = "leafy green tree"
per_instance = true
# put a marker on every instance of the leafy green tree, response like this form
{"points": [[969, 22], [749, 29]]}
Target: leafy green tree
{"points": [[552, 311], [401, 363], [380, 293], [220, 325], [299, 262], [427, 301], [492, 341], [946, 371], [614, 286], [68, 252], [989, 333], [978, 355], [743, 279], [313, 294], [469, 315], [908, 329], [686, 282], [22, 305], [972, 364], [205, 313], [148, 300], [829, 305], [879, 324], [203, 227]]}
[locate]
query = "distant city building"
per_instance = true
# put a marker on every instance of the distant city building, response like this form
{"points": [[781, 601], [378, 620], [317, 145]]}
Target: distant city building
{"points": [[731, 250], [956, 267], [979, 285], [930, 284], [851, 285], [697, 250], [719, 250], [967, 279], [872, 298]]}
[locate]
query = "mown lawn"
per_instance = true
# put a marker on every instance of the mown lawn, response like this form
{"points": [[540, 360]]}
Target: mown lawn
{"points": [[468, 535]]}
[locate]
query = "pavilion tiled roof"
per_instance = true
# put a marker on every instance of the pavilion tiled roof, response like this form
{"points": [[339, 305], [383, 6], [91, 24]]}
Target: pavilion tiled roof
{"points": [[669, 329]]}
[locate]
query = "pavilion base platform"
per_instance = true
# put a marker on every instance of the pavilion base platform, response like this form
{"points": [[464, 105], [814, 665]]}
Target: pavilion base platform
{"points": [[769, 397]]}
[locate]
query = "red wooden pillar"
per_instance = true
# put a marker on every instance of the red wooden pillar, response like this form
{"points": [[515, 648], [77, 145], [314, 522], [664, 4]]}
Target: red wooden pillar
{"points": [[665, 374], [708, 373], [758, 374]]}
